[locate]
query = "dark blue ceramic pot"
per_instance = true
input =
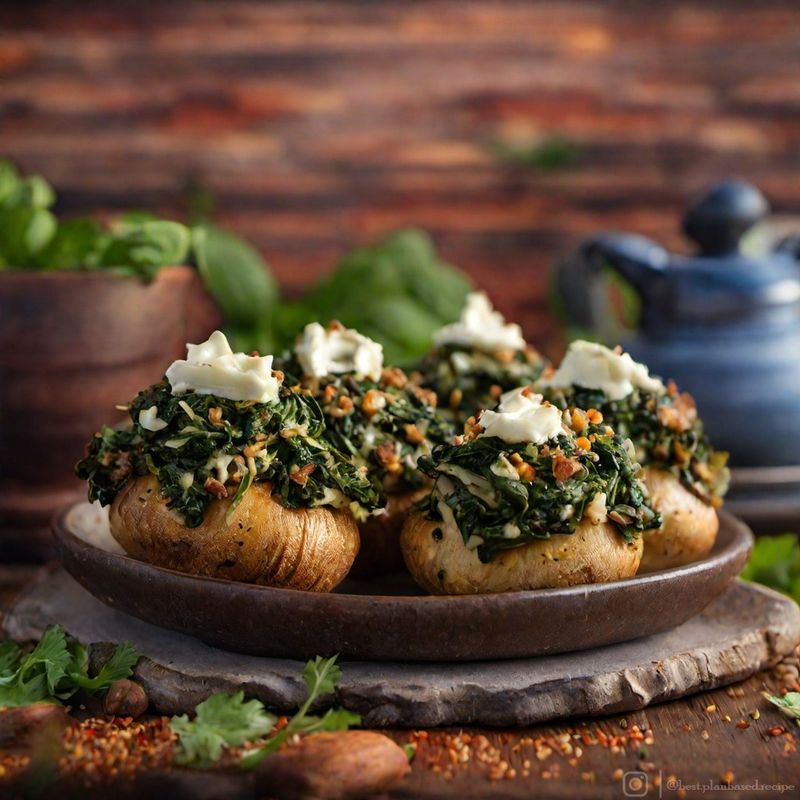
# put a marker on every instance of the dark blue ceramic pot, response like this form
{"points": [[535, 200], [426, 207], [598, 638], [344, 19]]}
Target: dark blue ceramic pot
{"points": [[723, 325]]}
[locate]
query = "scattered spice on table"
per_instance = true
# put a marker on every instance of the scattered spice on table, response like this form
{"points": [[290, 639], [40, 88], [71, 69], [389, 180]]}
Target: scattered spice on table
{"points": [[98, 749], [445, 752]]}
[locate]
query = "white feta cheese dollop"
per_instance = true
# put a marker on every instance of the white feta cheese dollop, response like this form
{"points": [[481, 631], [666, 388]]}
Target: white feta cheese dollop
{"points": [[213, 368], [335, 350], [482, 327], [594, 366], [521, 416]]}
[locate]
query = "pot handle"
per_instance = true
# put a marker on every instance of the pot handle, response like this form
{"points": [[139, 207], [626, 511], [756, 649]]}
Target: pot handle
{"points": [[582, 290]]}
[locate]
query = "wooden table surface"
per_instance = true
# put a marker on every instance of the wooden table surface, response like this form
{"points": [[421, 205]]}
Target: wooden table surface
{"points": [[725, 743]]}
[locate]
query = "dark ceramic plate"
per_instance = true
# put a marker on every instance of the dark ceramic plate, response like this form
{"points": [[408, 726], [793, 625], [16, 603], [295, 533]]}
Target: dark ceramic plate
{"points": [[390, 620]]}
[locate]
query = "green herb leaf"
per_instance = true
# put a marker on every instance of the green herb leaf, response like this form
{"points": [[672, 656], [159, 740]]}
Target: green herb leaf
{"points": [[775, 562], [222, 720], [55, 669], [144, 247], [321, 676], [119, 666], [51, 654], [237, 278], [789, 704], [24, 232], [74, 245], [398, 292], [9, 659]]}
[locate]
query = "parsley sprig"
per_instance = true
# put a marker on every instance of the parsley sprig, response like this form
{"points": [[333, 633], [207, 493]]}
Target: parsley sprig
{"points": [[57, 668], [226, 720]]}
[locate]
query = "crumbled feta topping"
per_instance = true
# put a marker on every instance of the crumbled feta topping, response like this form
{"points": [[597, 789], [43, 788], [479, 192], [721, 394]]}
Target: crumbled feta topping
{"points": [[335, 350], [594, 366], [521, 416], [213, 368], [482, 327]]}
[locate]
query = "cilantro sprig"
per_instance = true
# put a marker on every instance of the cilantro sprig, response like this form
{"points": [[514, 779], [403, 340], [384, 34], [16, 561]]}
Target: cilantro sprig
{"points": [[222, 720], [227, 720], [57, 668]]}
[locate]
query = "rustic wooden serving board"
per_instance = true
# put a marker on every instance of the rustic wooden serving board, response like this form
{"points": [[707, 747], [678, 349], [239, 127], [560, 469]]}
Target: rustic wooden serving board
{"points": [[744, 630]]}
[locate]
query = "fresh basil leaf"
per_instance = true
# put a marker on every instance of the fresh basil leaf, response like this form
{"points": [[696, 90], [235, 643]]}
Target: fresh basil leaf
{"points": [[74, 245], [9, 181], [235, 275], [24, 233], [136, 217], [147, 246]]}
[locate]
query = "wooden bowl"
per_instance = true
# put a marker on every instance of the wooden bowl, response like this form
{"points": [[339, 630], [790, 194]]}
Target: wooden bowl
{"points": [[362, 620], [72, 346]]}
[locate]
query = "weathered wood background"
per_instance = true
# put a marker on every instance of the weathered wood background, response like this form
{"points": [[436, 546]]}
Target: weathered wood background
{"points": [[317, 125]]}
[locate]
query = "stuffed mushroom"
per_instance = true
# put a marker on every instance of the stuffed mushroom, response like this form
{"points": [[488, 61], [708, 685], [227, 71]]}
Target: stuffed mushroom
{"points": [[522, 502], [476, 359], [226, 471], [383, 422], [686, 477]]}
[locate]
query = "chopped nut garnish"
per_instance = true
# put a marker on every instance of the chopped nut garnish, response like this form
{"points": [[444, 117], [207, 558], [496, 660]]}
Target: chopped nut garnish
{"points": [[564, 468], [579, 420], [526, 472], [215, 488], [395, 377], [301, 474], [386, 454], [595, 417], [413, 434], [455, 398], [215, 416], [344, 407], [373, 402]]}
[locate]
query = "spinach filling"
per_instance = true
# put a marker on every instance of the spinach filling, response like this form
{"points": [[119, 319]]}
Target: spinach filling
{"points": [[505, 495], [211, 448], [384, 425], [467, 380], [666, 431]]}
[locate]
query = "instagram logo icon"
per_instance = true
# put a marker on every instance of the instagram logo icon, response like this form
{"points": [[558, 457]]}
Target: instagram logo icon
{"points": [[634, 784]]}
